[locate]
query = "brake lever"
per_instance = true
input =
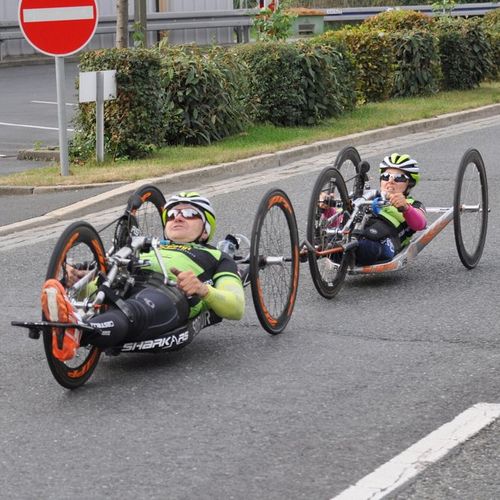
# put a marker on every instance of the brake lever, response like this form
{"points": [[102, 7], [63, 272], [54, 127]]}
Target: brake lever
{"points": [[155, 246]]}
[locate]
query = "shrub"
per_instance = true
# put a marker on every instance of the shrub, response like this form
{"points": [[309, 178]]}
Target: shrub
{"points": [[300, 83], [328, 81], [206, 94], [133, 125], [465, 52], [373, 57], [399, 20], [491, 26], [417, 63]]}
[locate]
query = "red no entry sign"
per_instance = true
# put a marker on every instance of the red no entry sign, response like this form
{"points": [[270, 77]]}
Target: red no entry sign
{"points": [[58, 27]]}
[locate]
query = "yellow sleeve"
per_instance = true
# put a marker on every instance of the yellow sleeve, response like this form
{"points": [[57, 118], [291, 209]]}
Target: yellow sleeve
{"points": [[226, 298]]}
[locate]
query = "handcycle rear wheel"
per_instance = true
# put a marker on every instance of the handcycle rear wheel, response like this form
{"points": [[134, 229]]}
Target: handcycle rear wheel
{"points": [[347, 163], [274, 261], [329, 197], [470, 208], [79, 246], [143, 215]]}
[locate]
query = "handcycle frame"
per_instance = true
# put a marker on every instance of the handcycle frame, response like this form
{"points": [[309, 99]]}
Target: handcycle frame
{"points": [[115, 269], [352, 201]]}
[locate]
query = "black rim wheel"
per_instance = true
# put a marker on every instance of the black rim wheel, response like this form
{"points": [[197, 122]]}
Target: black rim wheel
{"points": [[470, 208], [347, 163], [274, 261], [143, 215], [329, 199], [79, 246]]}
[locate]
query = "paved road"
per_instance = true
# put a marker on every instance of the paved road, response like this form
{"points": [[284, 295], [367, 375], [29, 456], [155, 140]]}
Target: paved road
{"points": [[28, 111], [241, 414]]}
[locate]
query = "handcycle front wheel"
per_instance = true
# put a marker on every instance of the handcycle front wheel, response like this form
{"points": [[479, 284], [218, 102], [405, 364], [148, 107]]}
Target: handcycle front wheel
{"points": [[470, 208], [329, 209], [81, 247], [347, 163], [274, 261], [143, 215]]}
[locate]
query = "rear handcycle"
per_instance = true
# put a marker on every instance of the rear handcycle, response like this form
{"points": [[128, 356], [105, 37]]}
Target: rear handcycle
{"points": [[337, 213]]}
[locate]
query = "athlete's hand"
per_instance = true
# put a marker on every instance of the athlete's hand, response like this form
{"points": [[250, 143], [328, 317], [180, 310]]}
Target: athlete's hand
{"points": [[73, 275], [398, 200], [189, 283]]}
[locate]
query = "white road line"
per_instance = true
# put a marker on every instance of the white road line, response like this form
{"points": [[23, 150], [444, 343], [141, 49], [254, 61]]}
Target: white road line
{"points": [[32, 126], [58, 14], [428, 450], [52, 102]]}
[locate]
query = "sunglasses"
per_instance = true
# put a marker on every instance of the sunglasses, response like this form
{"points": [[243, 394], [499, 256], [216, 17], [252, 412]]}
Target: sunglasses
{"points": [[395, 177], [187, 213]]}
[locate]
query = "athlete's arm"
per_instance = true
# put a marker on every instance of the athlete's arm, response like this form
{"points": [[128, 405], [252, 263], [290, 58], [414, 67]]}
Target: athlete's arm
{"points": [[415, 218], [226, 298]]}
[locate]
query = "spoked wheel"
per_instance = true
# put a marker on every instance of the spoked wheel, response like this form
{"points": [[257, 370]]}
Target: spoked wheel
{"points": [[346, 163], [80, 247], [274, 261], [329, 209], [143, 215], [470, 208]]}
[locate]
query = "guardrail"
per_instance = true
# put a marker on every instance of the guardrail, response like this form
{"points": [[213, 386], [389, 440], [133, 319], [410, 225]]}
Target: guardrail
{"points": [[361, 13], [239, 19]]}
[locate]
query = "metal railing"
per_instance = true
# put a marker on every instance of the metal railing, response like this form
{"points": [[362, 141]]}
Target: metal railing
{"points": [[239, 19]]}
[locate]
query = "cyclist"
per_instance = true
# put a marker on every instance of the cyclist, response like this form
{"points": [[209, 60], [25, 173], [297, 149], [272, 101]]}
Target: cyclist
{"points": [[206, 279], [390, 230]]}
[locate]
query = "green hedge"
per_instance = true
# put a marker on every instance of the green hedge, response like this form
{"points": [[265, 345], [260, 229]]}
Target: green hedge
{"points": [[373, 56], [133, 123], [491, 26], [399, 20], [298, 83], [466, 53], [417, 66], [206, 94]]}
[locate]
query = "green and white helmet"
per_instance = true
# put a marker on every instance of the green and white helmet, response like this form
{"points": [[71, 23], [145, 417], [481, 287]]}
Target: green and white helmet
{"points": [[199, 202], [402, 162]]}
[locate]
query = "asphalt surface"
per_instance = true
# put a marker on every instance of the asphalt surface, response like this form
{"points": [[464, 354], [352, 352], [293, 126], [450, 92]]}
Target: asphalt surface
{"points": [[240, 414]]}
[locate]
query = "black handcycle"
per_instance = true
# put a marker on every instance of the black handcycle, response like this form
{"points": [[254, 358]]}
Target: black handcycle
{"points": [[268, 262]]}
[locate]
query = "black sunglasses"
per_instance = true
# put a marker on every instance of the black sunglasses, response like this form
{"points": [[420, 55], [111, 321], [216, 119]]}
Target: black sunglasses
{"points": [[394, 177]]}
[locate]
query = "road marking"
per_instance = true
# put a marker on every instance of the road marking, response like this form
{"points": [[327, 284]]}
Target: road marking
{"points": [[425, 452], [58, 14], [53, 102], [33, 126]]}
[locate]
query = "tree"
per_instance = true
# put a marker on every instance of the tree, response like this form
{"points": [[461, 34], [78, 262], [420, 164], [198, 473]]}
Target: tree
{"points": [[121, 24]]}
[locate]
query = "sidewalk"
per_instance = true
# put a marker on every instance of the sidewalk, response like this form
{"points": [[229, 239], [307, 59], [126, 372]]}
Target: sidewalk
{"points": [[118, 193]]}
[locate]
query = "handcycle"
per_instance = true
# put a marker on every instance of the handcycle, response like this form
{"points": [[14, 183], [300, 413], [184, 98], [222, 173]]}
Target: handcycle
{"points": [[268, 262], [339, 210]]}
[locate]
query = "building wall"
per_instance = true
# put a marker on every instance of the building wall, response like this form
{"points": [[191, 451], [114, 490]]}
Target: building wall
{"points": [[8, 12]]}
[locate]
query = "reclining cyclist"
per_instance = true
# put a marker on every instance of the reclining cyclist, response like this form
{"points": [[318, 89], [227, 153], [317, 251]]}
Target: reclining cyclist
{"points": [[207, 279], [387, 232]]}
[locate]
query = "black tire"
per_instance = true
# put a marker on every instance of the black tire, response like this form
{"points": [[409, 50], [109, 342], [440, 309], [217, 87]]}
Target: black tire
{"points": [[274, 287], [80, 246], [471, 188], [143, 216], [347, 163], [329, 195]]}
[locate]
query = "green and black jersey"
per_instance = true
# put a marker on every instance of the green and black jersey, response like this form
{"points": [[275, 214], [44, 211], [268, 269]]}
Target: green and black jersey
{"points": [[390, 222], [213, 267]]}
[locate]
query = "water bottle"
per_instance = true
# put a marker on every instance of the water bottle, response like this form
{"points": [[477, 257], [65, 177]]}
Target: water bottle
{"points": [[228, 245]]}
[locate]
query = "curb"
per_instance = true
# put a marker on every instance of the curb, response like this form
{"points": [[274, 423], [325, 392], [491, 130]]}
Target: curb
{"points": [[253, 164]]}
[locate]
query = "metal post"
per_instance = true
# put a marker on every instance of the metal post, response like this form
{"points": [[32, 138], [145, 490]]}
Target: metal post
{"points": [[61, 116], [99, 117]]}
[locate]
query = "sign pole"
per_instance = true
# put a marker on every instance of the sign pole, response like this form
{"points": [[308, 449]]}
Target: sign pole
{"points": [[61, 115], [99, 116]]}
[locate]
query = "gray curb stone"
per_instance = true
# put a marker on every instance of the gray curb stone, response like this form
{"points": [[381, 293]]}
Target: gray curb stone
{"points": [[248, 165]]}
